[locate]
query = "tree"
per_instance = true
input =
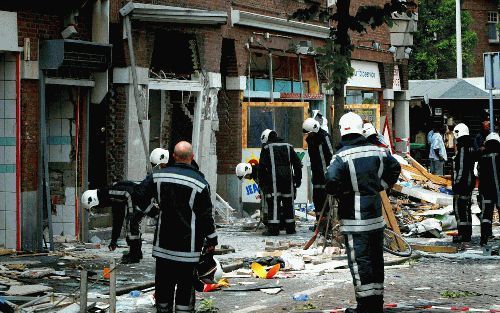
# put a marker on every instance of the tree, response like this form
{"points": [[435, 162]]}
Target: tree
{"points": [[335, 55], [435, 41]]}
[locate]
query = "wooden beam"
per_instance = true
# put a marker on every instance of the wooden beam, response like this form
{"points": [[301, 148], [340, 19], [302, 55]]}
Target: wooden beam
{"points": [[434, 178], [435, 249], [390, 218]]}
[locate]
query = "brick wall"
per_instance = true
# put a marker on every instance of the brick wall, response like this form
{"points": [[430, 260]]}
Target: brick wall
{"points": [[115, 133], [229, 134], [479, 11], [29, 134]]}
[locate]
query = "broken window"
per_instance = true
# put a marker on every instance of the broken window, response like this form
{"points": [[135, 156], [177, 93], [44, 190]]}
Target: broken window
{"points": [[175, 55]]}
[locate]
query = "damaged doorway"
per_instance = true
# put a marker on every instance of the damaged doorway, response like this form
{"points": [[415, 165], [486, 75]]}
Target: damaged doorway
{"points": [[66, 109], [171, 115]]}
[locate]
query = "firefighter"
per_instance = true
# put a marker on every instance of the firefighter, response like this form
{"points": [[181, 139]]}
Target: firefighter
{"points": [[280, 168], [356, 175], [489, 184], [185, 226], [320, 150], [371, 135], [251, 171], [464, 182], [123, 207]]}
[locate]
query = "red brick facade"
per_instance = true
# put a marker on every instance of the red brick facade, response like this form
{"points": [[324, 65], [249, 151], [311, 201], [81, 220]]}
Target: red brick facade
{"points": [[479, 11]]}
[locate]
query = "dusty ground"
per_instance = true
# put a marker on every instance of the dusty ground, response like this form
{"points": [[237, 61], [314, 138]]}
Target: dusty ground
{"points": [[419, 281]]}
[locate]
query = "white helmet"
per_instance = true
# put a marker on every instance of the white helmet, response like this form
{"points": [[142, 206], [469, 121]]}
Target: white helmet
{"points": [[89, 199], [493, 136], [368, 130], [460, 130], [264, 137], [351, 123], [243, 169], [310, 125], [159, 156]]}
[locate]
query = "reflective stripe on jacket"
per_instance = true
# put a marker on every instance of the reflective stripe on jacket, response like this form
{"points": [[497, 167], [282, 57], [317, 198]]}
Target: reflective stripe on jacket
{"points": [[356, 175]]}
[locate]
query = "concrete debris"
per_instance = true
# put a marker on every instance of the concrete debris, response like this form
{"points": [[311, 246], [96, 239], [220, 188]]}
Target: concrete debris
{"points": [[37, 272], [23, 290]]}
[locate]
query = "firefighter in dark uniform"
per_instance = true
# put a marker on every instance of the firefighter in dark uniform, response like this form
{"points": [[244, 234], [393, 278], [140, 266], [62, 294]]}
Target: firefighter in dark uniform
{"points": [[185, 226], [251, 172], [371, 135], [320, 150], [489, 184], [281, 169], [123, 204], [357, 174], [464, 182]]}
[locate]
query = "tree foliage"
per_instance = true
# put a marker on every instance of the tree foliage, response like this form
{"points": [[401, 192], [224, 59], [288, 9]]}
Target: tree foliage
{"points": [[434, 53], [335, 55]]}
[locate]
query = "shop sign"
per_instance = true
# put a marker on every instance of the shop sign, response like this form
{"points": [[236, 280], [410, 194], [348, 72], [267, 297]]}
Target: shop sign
{"points": [[307, 96], [366, 74]]}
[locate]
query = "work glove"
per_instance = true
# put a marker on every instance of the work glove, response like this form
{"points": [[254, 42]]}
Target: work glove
{"points": [[113, 245]]}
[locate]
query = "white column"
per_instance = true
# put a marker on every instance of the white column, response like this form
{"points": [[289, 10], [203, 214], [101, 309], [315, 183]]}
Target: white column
{"points": [[100, 34], [402, 121]]}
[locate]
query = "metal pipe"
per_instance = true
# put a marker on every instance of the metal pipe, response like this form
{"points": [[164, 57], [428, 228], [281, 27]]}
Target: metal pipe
{"points": [[138, 102], [458, 27], [77, 141], [249, 77], [83, 291], [300, 78], [84, 230], [492, 120], [112, 286], [271, 77], [18, 152], [37, 242]]}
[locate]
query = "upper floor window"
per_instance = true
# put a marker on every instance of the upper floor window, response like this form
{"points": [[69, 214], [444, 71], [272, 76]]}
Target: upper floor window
{"points": [[493, 20]]}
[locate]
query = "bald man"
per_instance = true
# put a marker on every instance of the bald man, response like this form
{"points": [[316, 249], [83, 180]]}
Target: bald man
{"points": [[185, 226]]}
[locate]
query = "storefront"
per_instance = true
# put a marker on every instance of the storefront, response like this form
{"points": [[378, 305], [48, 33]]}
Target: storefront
{"points": [[364, 92]]}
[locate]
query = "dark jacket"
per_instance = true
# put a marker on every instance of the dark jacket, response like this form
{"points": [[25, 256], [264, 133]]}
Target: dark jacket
{"points": [[185, 217], [464, 180], [280, 169], [320, 150], [357, 174], [489, 172], [124, 203]]}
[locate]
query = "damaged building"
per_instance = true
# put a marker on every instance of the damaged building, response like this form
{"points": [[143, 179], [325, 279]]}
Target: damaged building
{"points": [[91, 87]]}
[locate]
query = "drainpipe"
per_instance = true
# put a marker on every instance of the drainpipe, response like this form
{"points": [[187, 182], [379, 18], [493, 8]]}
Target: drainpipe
{"points": [[138, 102], [300, 77], [271, 95], [18, 152]]}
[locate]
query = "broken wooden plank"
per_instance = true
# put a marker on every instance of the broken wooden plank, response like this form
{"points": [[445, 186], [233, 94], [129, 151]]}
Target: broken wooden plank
{"points": [[434, 178], [435, 249], [390, 218]]}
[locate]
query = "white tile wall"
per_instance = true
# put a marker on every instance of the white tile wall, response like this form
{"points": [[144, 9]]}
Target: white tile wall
{"points": [[2, 156], [9, 155], [10, 127], [10, 182], [69, 214], [57, 229], [54, 127], [2, 184], [10, 239], [10, 108], [10, 220], [10, 89], [2, 220], [69, 229], [65, 152], [10, 201]]}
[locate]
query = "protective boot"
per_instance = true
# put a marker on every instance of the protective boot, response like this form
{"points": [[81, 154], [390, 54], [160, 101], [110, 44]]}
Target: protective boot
{"points": [[135, 253], [164, 308], [272, 230], [290, 228]]}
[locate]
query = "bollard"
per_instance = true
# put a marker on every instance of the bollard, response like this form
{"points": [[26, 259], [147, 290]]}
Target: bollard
{"points": [[83, 291], [112, 287]]}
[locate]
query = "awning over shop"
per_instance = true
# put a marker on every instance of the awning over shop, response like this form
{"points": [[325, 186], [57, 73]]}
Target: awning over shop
{"points": [[170, 14], [278, 24], [445, 89]]}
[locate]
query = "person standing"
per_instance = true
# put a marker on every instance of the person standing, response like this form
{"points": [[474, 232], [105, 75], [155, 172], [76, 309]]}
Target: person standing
{"points": [[437, 152], [320, 150], [185, 226], [489, 184], [371, 135], [281, 169], [481, 136], [358, 173], [464, 182]]}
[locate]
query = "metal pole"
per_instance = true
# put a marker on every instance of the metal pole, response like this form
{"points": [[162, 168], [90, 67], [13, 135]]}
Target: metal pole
{"points": [[492, 71], [458, 26], [37, 236], [83, 291], [301, 82], [138, 102], [271, 77], [249, 77], [112, 287]]}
